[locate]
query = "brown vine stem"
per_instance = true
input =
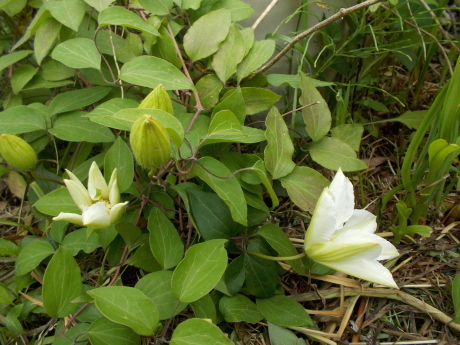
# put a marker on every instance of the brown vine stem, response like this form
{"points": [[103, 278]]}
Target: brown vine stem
{"points": [[342, 13]]}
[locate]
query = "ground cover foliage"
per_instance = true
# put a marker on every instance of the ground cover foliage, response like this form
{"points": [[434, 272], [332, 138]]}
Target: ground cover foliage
{"points": [[203, 243]]}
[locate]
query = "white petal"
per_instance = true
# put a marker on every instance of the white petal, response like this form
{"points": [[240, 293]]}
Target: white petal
{"points": [[389, 251], [96, 216], [369, 270], [117, 211], [360, 220], [113, 178], [114, 196], [70, 218], [78, 193], [96, 183], [344, 198], [322, 225]]}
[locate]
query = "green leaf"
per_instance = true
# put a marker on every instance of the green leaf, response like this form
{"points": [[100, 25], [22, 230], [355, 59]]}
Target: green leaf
{"points": [[12, 8], [284, 311], [200, 270], [350, 134], [157, 286], [105, 332], [143, 258], [456, 297], [53, 70], [71, 336], [45, 37], [103, 112], [232, 100], [224, 124], [260, 52], [233, 278], [21, 119], [78, 240], [39, 18], [74, 127], [5, 295], [31, 255], [276, 238], [8, 247], [248, 38], [261, 276], [317, 117], [61, 284], [57, 201], [282, 336], [208, 89], [212, 216], [116, 15], [21, 76], [119, 157], [158, 7], [278, 153], [73, 100], [198, 332], [99, 5], [199, 42], [68, 12], [333, 153], [9, 59], [204, 308], [230, 54], [239, 9], [165, 49], [190, 4], [304, 186], [258, 99], [127, 306], [259, 168], [411, 119], [132, 235], [78, 53], [422, 230], [228, 189], [165, 242], [151, 71], [239, 308]]}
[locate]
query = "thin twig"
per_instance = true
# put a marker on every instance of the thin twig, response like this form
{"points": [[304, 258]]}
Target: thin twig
{"points": [[342, 13], [264, 13]]}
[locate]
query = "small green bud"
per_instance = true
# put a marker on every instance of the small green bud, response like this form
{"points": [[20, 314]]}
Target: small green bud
{"points": [[158, 99], [150, 142], [17, 152]]}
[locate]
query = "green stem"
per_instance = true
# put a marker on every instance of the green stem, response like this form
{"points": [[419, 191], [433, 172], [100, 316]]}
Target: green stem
{"points": [[274, 258]]}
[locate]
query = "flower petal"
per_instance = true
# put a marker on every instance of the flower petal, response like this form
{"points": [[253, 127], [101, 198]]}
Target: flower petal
{"points": [[78, 193], [369, 270], [322, 225], [113, 178], [97, 187], [360, 220], [344, 198], [70, 218], [114, 196], [96, 216], [117, 211]]}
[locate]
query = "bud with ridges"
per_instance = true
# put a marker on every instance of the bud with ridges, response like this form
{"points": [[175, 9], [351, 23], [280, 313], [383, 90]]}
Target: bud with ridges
{"points": [[150, 142], [158, 99], [17, 152]]}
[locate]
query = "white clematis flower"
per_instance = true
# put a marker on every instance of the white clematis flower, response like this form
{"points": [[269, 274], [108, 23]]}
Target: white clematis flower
{"points": [[343, 238], [100, 203]]}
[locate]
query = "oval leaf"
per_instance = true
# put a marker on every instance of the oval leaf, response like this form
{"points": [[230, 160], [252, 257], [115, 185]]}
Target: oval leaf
{"points": [[239, 308], [198, 332], [78, 53], [284, 311], [105, 332], [257, 55], [116, 15], [119, 157], [57, 201], [31, 255], [21, 119]]}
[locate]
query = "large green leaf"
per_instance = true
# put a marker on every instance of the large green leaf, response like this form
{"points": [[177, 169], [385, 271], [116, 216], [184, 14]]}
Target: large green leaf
{"points": [[233, 278], [257, 55], [304, 186], [8, 247], [228, 188], [261, 276], [31, 255], [198, 332], [208, 89], [224, 124], [21, 76], [117, 15], [71, 336], [73, 100], [158, 7], [21, 119], [282, 336], [165, 48], [68, 12], [61, 284], [45, 37], [9, 59], [99, 5], [74, 127], [240, 10], [230, 54], [200, 270], [317, 117], [119, 157], [103, 112], [278, 153], [212, 216], [239, 308], [127, 306], [78, 53], [79, 240], [258, 99], [232, 100], [157, 286], [105, 332], [42, 15], [205, 35], [57, 201], [333, 153], [284, 311], [151, 71], [350, 134], [165, 242]]}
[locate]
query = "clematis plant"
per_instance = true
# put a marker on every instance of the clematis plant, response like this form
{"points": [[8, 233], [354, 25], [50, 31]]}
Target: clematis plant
{"points": [[343, 238], [100, 203]]}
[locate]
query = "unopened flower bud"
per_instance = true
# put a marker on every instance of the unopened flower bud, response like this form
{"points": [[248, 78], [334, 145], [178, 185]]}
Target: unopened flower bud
{"points": [[150, 142], [17, 152], [158, 99]]}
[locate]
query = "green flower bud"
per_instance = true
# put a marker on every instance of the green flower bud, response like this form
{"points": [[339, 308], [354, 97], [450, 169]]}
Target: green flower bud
{"points": [[150, 142], [17, 152], [158, 99]]}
